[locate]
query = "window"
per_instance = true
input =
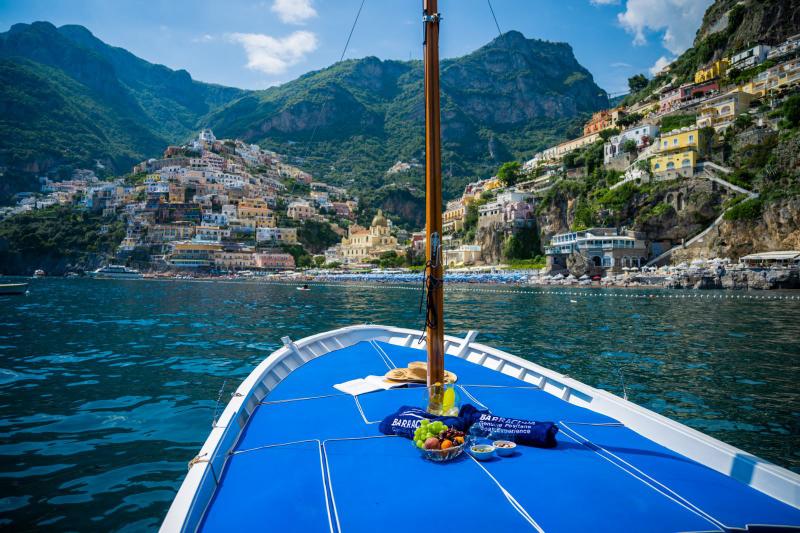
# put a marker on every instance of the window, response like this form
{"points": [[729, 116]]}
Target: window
{"points": [[686, 163], [691, 138], [666, 144], [675, 141], [658, 165], [670, 165]]}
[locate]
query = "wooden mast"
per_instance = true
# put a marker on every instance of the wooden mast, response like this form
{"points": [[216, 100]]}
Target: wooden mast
{"points": [[433, 198]]}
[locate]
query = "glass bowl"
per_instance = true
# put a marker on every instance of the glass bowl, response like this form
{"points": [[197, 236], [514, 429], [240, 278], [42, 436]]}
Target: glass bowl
{"points": [[441, 456]]}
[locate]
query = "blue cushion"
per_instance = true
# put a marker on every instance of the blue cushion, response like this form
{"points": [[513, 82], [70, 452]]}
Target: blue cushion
{"points": [[319, 418], [318, 376], [729, 501], [275, 489], [534, 404], [383, 484]]}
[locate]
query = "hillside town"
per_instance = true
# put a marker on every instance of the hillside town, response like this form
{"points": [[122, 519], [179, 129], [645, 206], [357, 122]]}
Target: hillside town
{"points": [[217, 206]]}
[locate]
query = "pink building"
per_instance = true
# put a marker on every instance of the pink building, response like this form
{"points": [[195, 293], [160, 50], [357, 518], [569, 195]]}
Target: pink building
{"points": [[274, 261]]}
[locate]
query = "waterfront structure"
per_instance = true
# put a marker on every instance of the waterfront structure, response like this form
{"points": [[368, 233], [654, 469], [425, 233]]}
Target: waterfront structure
{"points": [[643, 135], [464, 255], [193, 254], [235, 259], [277, 235], [783, 258], [679, 152], [715, 70], [720, 111], [608, 249], [274, 261], [362, 244]]}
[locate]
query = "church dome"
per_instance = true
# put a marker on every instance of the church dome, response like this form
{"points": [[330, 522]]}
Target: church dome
{"points": [[379, 219]]}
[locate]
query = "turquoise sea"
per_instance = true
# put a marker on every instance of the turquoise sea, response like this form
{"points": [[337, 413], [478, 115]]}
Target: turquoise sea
{"points": [[108, 388]]}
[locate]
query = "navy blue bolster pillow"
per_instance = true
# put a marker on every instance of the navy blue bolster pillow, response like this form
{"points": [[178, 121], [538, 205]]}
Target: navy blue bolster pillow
{"points": [[525, 432], [405, 421]]}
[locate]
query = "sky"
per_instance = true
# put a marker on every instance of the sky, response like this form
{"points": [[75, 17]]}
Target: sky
{"points": [[256, 44]]}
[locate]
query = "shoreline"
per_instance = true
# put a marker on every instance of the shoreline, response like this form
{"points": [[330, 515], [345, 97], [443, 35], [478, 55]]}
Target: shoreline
{"points": [[626, 287]]}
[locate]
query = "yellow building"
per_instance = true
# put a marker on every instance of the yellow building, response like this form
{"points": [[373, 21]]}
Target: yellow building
{"points": [[681, 163], [453, 217], [679, 151], [691, 138], [362, 244], [720, 112], [193, 254], [715, 70], [253, 208]]}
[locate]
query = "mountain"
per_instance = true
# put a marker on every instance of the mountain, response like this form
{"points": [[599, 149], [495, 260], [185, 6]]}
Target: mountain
{"points": [[350, 122], [67, 98]]}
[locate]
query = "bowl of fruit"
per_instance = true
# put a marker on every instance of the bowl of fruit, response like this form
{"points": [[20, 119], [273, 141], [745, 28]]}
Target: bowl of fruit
{"points": [[437, 442]]}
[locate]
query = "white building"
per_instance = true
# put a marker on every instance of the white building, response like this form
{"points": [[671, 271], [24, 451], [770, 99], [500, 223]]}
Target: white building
{"points": [[750, 57], [786, 47], [215, 219], [206, 135], [642, 135]]}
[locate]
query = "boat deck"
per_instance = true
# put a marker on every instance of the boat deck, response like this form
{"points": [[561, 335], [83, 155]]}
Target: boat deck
{"points": [[312, 459]]}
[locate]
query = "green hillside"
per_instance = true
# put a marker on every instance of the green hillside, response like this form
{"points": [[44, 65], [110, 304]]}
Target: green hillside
{"points": [[68, 99], [506, 100]]}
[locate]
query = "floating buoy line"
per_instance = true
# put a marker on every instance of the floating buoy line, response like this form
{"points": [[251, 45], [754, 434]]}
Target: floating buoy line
{"points": [[699, 294], [586, 293]]}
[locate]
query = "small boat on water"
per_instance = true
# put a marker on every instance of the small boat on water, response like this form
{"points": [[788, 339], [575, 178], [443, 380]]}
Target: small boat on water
{"points": [[13, 288], [115, 272], [39, 273], [295, 451]]}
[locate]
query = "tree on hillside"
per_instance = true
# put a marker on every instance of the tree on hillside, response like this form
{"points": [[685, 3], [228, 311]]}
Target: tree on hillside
{"points": [[316, 236], [510, 173], [637, 83], [629, 146], [791, 111]]}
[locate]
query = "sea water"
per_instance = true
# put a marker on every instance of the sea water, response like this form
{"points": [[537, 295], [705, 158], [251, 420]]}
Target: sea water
{"points": [[108, 388]]}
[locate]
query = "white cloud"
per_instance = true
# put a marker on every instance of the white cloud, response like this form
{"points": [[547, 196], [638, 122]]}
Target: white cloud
{"points": [[604, 2], [205, 38], [293, 11], [659, 65], [678, 19], [620, 64], [274, 55]]}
